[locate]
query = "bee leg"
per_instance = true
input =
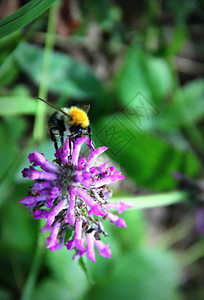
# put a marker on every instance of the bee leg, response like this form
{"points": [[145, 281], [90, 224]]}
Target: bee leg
{"points": [[53, 138], [76, 135], [70, 144], [71, 141], [62, 137], [91, 141], [61, 131]]}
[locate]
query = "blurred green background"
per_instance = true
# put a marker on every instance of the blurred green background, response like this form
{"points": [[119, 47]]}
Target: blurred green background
{"points": [[139, 64]]}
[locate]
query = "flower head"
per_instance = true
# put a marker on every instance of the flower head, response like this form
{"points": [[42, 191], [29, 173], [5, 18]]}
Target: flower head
{"points": [[71, 195]]}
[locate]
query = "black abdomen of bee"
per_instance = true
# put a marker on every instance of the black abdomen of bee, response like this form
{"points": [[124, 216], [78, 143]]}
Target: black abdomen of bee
{"points": [[56, 124]]}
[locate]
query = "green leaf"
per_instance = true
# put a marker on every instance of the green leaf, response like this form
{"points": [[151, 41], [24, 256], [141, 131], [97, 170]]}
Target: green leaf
{"points": [[145, 74], [50, 289], [65, 75], [8, 67], [8, 74], [186, 108], [11, 159], [159, 76], [19, 234], [155, 200], [147, 159], [177, 42], [135, 227], [17, 105], [11, 129], [67, 272], [121, 242], [131, 78], [144, 274], [181, 12], [68, 234], [84, 267], [5, 294], [23, 16]]}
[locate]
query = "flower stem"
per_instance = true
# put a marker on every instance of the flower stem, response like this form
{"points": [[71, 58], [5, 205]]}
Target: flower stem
{"points": [[192, 254], [38, 136], [148, 201], [35, 267], [175, 234], [43, 89]]}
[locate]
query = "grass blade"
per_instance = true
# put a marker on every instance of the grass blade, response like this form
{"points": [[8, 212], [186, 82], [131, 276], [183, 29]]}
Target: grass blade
{"points": [[23, 16]]}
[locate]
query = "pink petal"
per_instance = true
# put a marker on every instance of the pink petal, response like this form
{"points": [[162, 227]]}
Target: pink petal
{"points": [[90, 247], [104, 249]]}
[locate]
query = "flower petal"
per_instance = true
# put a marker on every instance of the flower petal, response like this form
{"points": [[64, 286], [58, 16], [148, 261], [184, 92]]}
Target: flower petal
{"points": [[77, 147], [34, 174], [119, 206], [71, 207], [42, 185], [90, 247], [70, 244], [37, 214], [119, 222], [29, 200], [78, 235], [95, 153], [95, 207], [104, 249], [52, 239], [38, 159], [54, 212]]}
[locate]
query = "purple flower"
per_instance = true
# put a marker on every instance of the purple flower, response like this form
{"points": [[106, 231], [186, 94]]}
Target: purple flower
{"points": [[71, 195], [200, 220]]}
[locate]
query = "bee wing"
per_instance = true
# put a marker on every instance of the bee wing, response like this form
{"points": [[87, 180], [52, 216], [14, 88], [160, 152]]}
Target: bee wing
{"points": [[55, 107], [86, 107]]}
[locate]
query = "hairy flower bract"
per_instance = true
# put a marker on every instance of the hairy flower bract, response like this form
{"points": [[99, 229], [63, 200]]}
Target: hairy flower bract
{"points": [[72, 194]]}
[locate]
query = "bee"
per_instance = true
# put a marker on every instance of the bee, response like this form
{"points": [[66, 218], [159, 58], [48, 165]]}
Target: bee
{"points": [[72, 121]]}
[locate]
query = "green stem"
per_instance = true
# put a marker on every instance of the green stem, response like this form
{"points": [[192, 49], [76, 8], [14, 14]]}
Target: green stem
{"points": [[31, 279], [175, 234], [192, 254], [9, 176], [38, 136], [164, 199], [39, 125]]}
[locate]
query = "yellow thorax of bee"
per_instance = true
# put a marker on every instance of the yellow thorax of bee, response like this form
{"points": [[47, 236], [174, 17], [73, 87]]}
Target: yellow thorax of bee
{"points": [[78, 117]]}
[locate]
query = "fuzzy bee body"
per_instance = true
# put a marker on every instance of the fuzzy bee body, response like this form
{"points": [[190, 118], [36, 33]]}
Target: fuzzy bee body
{"points": [[65, 121]]}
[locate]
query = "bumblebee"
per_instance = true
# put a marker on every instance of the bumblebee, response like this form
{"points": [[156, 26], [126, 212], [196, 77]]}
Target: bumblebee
{"points": [[71, 121]]}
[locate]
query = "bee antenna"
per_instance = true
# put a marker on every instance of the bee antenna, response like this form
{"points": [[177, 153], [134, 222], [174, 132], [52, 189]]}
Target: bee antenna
{"points": [[53, 106]]}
